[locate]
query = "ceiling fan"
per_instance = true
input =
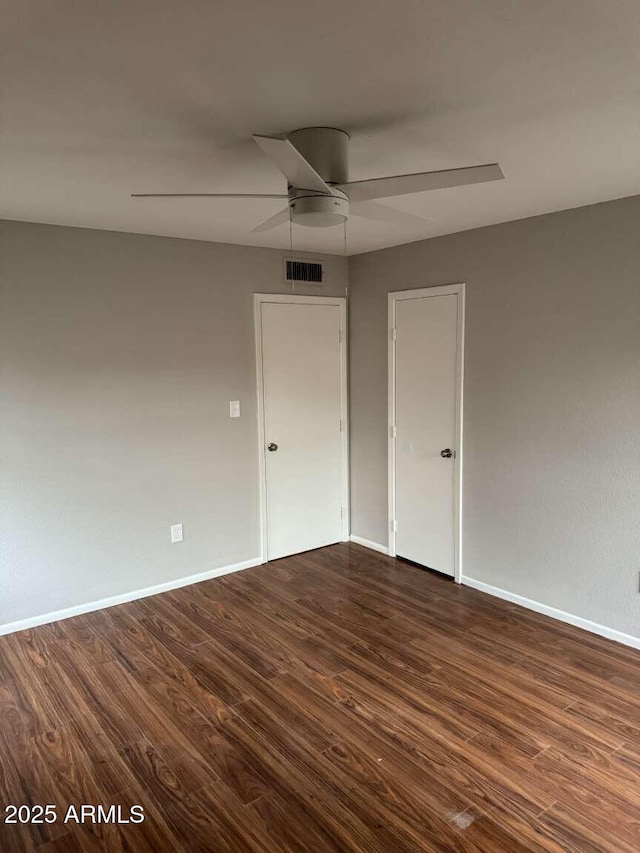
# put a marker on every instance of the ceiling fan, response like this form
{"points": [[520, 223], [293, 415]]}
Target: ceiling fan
{"points": [[314, 161]]}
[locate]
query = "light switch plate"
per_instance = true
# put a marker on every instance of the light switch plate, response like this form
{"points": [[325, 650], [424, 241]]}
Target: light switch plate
{"points": [[176, 533], [234, 408]]}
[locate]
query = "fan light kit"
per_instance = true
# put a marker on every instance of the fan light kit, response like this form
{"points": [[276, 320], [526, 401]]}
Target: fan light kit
{"points": [[314, 160]]}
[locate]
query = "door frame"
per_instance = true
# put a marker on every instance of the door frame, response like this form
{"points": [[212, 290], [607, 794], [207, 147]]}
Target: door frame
{"points": [[394, 298], [260, 299]]}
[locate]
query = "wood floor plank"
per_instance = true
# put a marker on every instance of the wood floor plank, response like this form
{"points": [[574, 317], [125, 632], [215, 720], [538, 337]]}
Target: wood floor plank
{"points": [[583, 833], [164, 620], [88, 731], [626, 731], [481, 778], [580, 785], [68, 776], [501, 829], [289, 826], [260, 597], [607, 664], [310, 772], [24, 705], [189, 820], [203, 735], [156, 722], [334, 700], [438, 650], [243, 629], [407, 739], [395, 801], [138, 651], [514, 707], [216, 665], [608, 697], [20, 782]]}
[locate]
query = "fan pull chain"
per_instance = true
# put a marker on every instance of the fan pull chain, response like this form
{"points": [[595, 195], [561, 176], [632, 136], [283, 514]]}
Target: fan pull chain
{"points": [[346, 286], [293, 284]]}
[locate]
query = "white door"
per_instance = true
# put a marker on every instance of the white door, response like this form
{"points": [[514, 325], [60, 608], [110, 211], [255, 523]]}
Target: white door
{"points": [[425, 387], [302, 382]]}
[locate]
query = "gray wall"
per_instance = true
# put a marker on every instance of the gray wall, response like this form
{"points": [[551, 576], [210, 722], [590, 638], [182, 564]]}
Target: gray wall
{"points": [[119, 355], [552, 402]]}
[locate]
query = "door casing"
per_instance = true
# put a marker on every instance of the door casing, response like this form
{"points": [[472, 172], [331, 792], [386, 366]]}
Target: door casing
{"points": [[421, 293], [258, 300]]}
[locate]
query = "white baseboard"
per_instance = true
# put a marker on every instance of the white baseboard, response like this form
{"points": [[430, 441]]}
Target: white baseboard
{"points": [[554, 613], [367, 543], [79, 609]]}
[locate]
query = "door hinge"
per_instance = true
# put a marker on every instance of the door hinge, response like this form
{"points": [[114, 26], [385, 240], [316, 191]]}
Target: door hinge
{"points": [[341, 513], [394, 432], [341, 426], [394, 335], [339, 336], [394, 526]]}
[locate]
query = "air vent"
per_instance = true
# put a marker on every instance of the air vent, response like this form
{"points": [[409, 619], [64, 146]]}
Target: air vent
{"points": [[303, 272]]}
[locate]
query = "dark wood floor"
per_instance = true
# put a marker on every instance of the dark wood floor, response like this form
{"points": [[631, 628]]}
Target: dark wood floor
{"points": [[334, 701]]}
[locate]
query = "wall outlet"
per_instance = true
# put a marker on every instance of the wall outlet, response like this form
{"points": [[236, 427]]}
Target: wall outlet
{"points": [[176, 533], [234, 408]]}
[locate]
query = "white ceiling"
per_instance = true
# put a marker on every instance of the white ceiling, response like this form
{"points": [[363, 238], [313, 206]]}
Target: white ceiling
{"points": [[101, 99]]}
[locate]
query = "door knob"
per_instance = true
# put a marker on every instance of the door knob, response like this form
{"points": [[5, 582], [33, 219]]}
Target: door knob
{"points": [[271, 446], [447, 453]]}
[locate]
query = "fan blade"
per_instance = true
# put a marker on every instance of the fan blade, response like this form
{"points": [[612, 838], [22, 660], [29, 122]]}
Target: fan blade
{"points": [[382, 213], [207, 195], [420, 182], [298, 171], [273, 221]]}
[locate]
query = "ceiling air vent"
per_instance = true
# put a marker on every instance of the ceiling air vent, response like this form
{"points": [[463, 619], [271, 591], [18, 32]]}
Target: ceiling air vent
{"points": [[302, 272]]}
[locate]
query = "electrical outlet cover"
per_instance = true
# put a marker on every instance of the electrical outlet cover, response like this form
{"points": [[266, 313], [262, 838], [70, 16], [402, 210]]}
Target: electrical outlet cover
{"points": [[176, 533]]}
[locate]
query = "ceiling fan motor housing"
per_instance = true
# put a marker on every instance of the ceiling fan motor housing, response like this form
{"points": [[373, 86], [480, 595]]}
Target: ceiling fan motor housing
{"points": [[325, 148], [318, 210]]}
